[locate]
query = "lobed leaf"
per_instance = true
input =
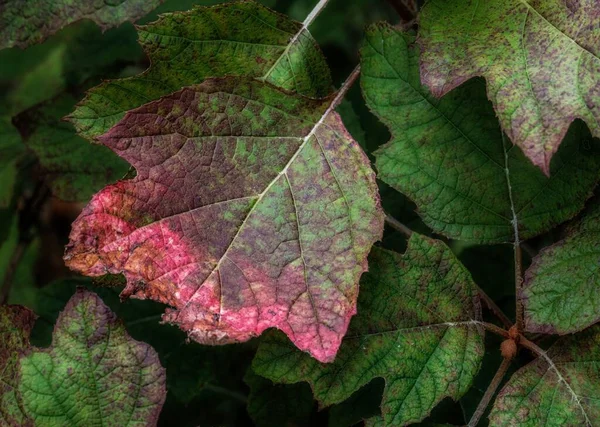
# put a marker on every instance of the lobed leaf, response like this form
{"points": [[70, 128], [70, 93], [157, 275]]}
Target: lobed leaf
{"points": [[234, 39], [93, 374], [560, 294], [540, 59], [252, 208], [417, 327], [450, 157], [16, 323], [23, 23], [561, 388]]}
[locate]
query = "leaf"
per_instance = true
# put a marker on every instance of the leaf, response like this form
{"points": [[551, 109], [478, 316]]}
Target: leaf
{"points": [[417, 327], [11, 150], [16, 323], [561, 388], [560, 294], [450, 157], [74, 168], [539, 58], [252, 208], [239, 38], [23, 23], [276, 404], [93, 373]]}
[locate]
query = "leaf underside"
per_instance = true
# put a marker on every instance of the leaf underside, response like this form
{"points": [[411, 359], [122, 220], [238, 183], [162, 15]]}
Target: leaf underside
{"points": [[23, 23], [231, 39], [561, 389], [251, 209], [94, 373], [541, 60], [450, 157], [560, 294], [417, 328]]}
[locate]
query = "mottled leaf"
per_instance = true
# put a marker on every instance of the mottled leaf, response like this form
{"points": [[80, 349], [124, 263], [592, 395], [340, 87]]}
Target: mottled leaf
{"points": [[541, 60], [450, 157], [16, 323], [94, 373], [417, 327], [239, 38], [278, 404], [23, 23], [74, 168], [561, 292], [562, 388], [252, 208], [11, 150]]}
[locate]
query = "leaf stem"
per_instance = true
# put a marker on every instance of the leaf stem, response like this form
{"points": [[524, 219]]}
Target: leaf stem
{"points": [[518, 284], [397, 225], [14, 262], [314, 13], [493, 307], [489, 393], [344, 89], [226, 392]]}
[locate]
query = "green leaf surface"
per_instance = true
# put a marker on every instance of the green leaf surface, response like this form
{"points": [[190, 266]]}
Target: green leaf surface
{"points": [[11, 150], [541, 60], [23, 23], [238, 38], [74, 168], [561, 292], [278, 404], [449, 155], [417, 327], [16, 323], [560, 388], [94, 373]]}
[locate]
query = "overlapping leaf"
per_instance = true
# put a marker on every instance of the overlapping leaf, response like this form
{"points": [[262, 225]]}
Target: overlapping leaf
{"points": [[417, 328], [561, 388], [239, 38], [74, 168], [561, 292], [450, 157], [16, 323], [23, 23], [541, 60], [252, 208], [93, 374]]}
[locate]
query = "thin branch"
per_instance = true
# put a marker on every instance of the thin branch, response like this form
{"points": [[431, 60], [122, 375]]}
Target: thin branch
{"points": [[397, 225], [519, 285], [494, 308], [226, 392], [495, 329], [490, 392]]}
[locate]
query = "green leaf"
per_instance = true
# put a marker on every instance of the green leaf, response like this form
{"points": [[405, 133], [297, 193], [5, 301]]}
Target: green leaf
{"points": [[560, 388], [16, 323], [93, 373], [278, 404], [23, 23], [74, 168], [450, 157], [540, 59], [560, 294], [417, 327], [11, 151], [239, 38]]}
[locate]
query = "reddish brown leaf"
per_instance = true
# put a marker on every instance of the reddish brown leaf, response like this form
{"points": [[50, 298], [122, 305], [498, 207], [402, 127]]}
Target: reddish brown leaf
{"points": [[252, 208]]}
